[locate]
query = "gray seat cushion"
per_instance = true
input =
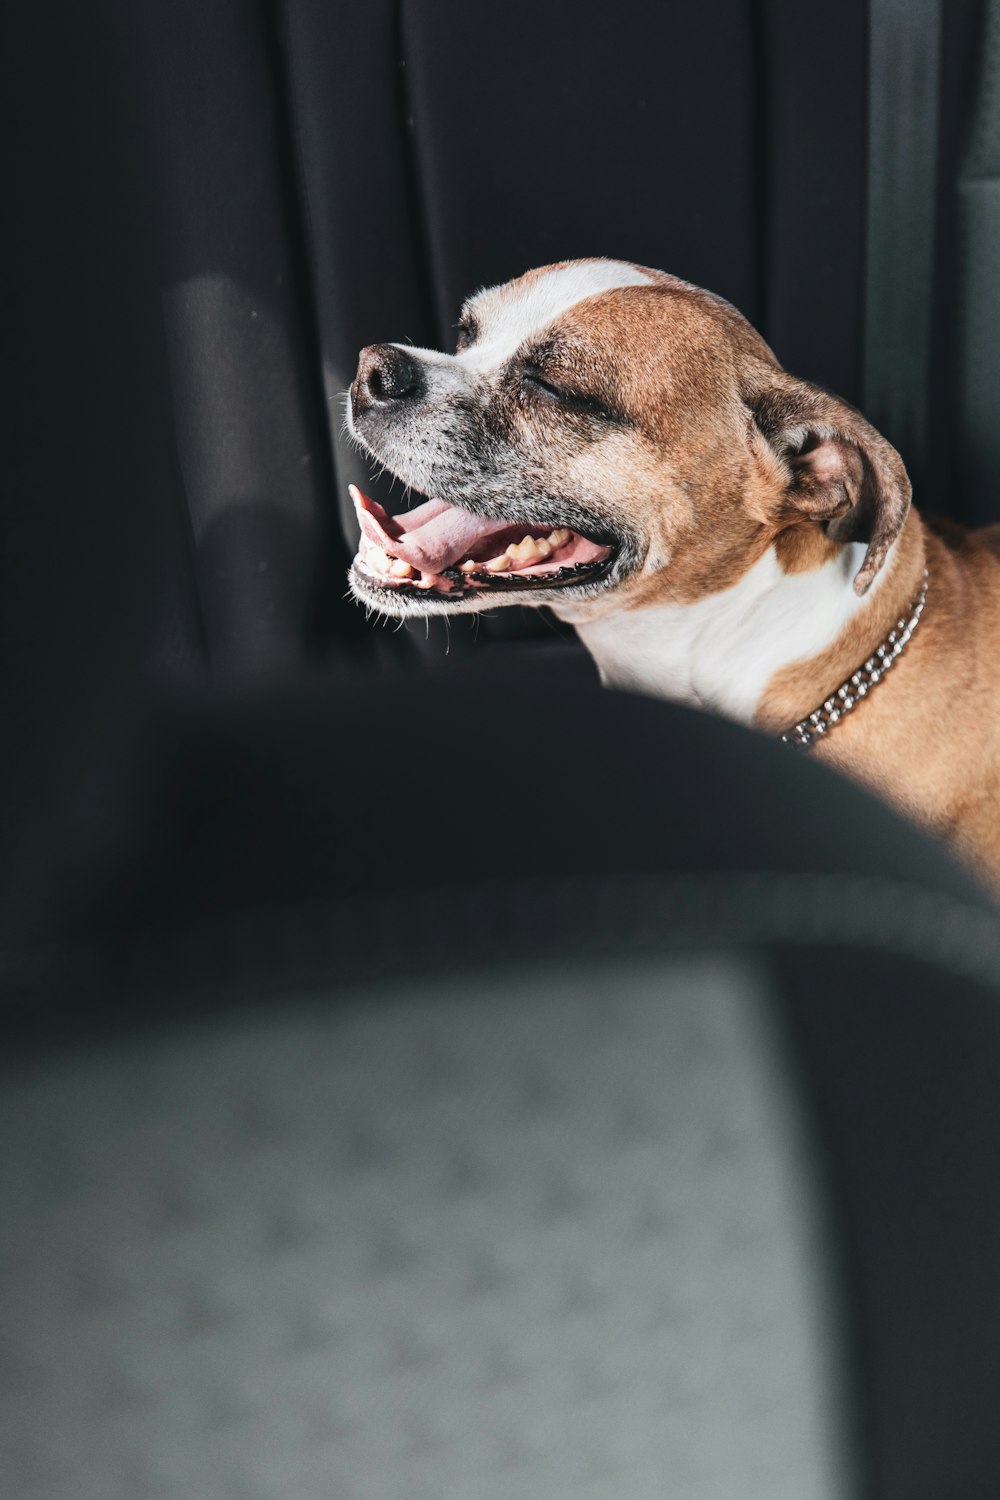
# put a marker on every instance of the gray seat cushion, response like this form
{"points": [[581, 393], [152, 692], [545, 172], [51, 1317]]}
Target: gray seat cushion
{"points": [[478, 1237]]}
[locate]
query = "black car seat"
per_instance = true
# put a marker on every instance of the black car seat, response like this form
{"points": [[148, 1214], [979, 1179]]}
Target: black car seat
{"points": [[585, 1111]]}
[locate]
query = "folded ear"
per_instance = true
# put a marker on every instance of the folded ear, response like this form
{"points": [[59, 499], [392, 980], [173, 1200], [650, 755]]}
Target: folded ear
{"points": [[839, 469]]}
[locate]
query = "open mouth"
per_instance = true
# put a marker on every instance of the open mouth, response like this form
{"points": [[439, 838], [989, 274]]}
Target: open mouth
{"points": [[442, 549]]}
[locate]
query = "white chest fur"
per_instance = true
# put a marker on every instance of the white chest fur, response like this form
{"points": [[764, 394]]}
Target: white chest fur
{"points": [[721, 652]]}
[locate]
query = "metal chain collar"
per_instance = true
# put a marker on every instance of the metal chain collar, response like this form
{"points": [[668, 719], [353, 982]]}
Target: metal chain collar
{"points": [[860, 684]]}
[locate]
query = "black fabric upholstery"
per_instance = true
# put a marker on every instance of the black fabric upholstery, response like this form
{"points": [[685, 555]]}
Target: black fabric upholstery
{"points": [[904, 56], [949, 486], [221, 809], [810, 188], [904, 1084], [249, 429], [979, 306]]}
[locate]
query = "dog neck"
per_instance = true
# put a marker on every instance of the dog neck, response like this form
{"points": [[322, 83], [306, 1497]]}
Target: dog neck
{"points": [[721, 652]]}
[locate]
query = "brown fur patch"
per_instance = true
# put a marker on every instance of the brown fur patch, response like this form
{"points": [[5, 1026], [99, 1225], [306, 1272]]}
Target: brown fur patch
{"points": [[804, 548], [696, 471], [702, 485]]}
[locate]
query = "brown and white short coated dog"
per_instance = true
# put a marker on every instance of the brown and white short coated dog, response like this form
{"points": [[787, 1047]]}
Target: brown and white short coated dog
{"points": [[624, 447]]}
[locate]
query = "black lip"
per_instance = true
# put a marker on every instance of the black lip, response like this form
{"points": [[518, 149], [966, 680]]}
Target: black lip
{"points": [[498, 582]]}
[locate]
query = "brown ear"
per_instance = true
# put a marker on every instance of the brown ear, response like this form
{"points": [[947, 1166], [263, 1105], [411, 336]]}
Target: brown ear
{"points": [[840, 470]]}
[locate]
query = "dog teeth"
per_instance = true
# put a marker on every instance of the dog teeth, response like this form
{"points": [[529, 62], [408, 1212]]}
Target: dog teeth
{"points": [[376, 558], [400, 569], [523, 554], [529, 550]]}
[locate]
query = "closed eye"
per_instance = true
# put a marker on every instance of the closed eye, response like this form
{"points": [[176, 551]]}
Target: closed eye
{"points": [[533, 380]]}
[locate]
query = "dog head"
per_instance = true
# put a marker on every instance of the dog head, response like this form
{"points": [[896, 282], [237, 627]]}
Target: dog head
{"points": [[606, 436]]}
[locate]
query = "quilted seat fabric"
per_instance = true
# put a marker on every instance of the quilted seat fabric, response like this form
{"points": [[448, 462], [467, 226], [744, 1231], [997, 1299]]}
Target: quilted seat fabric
{"points": [[473, 1237]]}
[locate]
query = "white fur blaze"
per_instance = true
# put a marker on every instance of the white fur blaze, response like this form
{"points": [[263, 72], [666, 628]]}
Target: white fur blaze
{"points": [[722, 651], [517, 312]]}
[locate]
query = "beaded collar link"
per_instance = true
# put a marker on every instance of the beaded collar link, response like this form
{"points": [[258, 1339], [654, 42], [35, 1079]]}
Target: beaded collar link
{"points": [[819, 723]]}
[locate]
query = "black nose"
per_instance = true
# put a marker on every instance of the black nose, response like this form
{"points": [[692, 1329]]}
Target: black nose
{"points": [[385, 373]]}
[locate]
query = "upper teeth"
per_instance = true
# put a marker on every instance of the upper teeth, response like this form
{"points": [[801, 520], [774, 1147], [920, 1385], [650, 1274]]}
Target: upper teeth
{"points": [[529, 550]]}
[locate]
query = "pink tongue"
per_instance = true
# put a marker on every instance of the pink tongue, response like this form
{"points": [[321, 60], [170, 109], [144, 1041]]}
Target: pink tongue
{"points": [[432, 537], [408, 520]]}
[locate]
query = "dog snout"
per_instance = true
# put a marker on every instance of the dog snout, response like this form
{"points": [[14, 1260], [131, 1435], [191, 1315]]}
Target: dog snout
{"points": [[386, 374]]}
